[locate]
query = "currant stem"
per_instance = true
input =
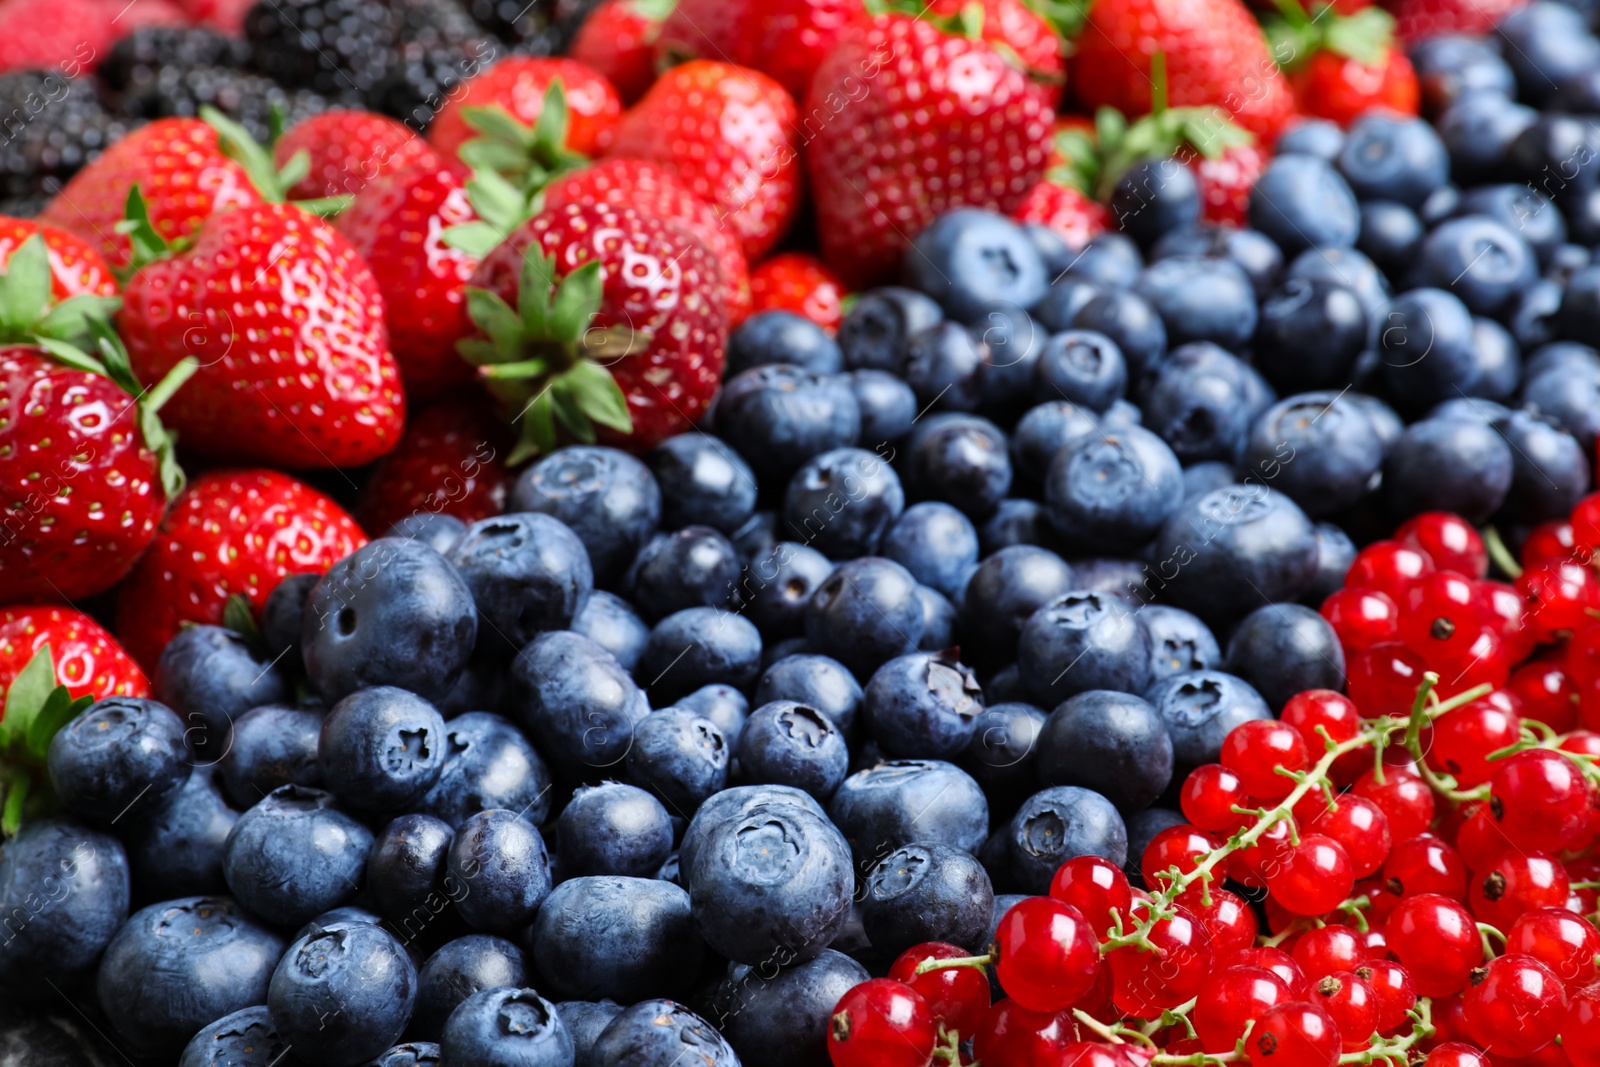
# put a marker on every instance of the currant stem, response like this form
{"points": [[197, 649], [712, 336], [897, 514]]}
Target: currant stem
{"points": [[1488, 933], [958, 961]]}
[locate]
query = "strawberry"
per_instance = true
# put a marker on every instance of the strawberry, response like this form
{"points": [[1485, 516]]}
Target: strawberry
{"points": [[76, 269], [451, 459], [728, 134], [348, 149], [1072, 215], [948, 123], [397, 225], [1012, 26], [1342, 66], [517, 86], [86, 659], [230, 532], [650, 188], [618, 40], [1215, 55], [1225, 180], [783, 39], [1417, 20], [595, 313], [181, 171], [794, 281], [66, 35]]}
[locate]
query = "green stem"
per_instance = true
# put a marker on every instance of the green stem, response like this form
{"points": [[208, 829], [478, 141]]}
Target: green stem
{"points": [[1500, 554], [959, 961]]}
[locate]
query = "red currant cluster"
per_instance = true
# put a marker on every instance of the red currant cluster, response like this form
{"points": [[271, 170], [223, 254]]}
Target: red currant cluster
{"points": [[1414, 866]]}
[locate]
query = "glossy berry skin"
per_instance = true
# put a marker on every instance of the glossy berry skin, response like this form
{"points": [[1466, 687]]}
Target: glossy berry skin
{"points": [[1146, 982], [617, 40], [1096, 887], [1580, 1028], [1255, 750], [1328, 950], [120, 756], [1014, 1034], [1404, 798], [1460, 741], [1388, 567], [1047, 955], [1456, 1054], [1540, 800], [1234, 998], [1450, 542], [343, 993], [349, 150], [518, 84], [1230, 921], [1383, 679], [958, 997], [1314, 877], [1436, 940], [881, 1021], [1515, 883], [1393, 992], [381, 749], [1362, 618], [1279, 963], [269, 286], [1560, 940], [1181, 847], [1297, 1034], [1319, 712], [1361, 828], [796, 282], [1557, 597], [1351, 1004], [1515, 1008], [1426, 864], [1209, 795], [450, 461], [88, 661]]}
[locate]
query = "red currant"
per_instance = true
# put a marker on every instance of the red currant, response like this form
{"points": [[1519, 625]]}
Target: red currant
{"points": [[1336, 715], [1549, 542], [1463, 665], [1479, 838], [1580, 1028], [1257, 750], [1560, 940], [1315, 876], [1456, 1054], [1383, 679], [1426, 864], [1279, 963], [1518, 882], [1046, 953], [1296, 1034], [1014, 1034], [958, 997], [1404, 797], [1096, 887], [1146, 981], [1548, 694], [1235, 997], [1393, 989], [1227, 918], [1362, 618], [1250, 866], [1439, 606], [1557, 597], [1449, 540], [1584, 899], [1449, 1022], [1585, 521], [1389, 567], [1351, 1003], [1180, 846], [1209, 796], [1514, 1006], [881, 1023], [1540, 800], [1504, 602], [1437, 942], [1361, 827], [1328, 949], [1459, 741]]}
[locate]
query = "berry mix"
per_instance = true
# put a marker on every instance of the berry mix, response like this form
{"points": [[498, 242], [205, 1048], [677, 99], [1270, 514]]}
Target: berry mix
{"points": [[799, 533]]}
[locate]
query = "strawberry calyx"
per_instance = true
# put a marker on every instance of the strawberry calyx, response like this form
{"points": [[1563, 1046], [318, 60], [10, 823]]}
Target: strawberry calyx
{"points": [[527, 156], [546, 360], [36, 707], [271, 180], [1295, 36]]}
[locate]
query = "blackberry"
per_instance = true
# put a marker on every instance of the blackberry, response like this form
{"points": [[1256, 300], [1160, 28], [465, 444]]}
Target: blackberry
{"points": [[249, 98], [22, 207], [137, 58], [421, 81], [529, 25], [50, 127], [332, 46]]}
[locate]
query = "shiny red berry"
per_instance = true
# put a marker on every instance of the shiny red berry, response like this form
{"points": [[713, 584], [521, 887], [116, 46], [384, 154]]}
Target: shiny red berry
{"points": [[1327, 950], [1092, 1054], [1361, 827], [1096, 887], [1540, 800], [1297, 1034], [958, 997], [1252, 865], [881, 1023], [1425, 864], [1404, 797], [1460, 741], [1279, 963], [1560, 940], [1181, 847], [1147, 981], [1389, 567], [1227, 918], [1505, 605], [1449, 540], [1393, 989], [1362, 618], [1438, 607], [1456, 1054], [1208, 798], [1548, 694], [1231, 1001], [1318, 711], [1547, 542], [1383, 679], [1557, 597], [1514, 1006], [1351, 1003], [1013, 1034], [1256, 751], [1580, 1028], [1517, 883], [1315, 876], [1047, 954], [1437, 942]]}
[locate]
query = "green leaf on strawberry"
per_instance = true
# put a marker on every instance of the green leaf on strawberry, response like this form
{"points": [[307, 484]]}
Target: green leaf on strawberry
{"points": [[36, 708], [526, 156], [1295, 36]]}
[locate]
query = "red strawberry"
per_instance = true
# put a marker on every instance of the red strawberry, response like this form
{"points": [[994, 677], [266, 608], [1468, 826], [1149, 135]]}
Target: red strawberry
{"points": [[451, 460], [76, 269], [799, 283], [1013, 25], [287, 321], [229, 532], [728, 134], [1073, 216], [66, 35], [1215, 56], [947, 123], [179, 167], [347, 149], [1342, 66], [1417, 20], [783, 39], [1225, 181], [397, 224], [87, 659], [518, 84], [618, 40], [650, 188], [225, 16], [618, 320]]}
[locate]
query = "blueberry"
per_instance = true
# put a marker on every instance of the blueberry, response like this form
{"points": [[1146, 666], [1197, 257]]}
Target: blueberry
{"points": [[1531, 318], [1044, 431], [1126, 580], [738, 801], [1179, 641], [787, 743], [770, 885], [1570, 397], [1384, 420], [1084, 367], [660, 1033], [1579, 314], [407, 864], [435, 529], [1223, 554], [272, 745], [842, 501], [294, 855], [1497, 360], [1200, 478], [586, 1021], [698, 646], [1202, 402], [721, 705], [246, 1038], [1143, 826], [1312, 137], [211, 676], [1114, 743], [1549, 471], [938, 620], [1110, 260], [615, 938], [779, 1017], [1452, 66], [1335, 553], [1014, 342], [926, 892], [1005, 590], [610, 622], [680, 757], [865, 613], [1310, 335], [1199, 708], [410, 1054], [1083, 640], [1526, 212], [499, 861], [177, 848], [1065, 297], [68, 884], [1131, 323], [342, 995], [579, 702], [779, 416], [887, 404], [1478, 130], [1200, 300], [460, 968], [780, 337], [1250, 251], [1443, 202], [175, 966], [936, 543], [1393, 157], [1391, 233], [817, 682], [283, 617], [944, 365], [970, 260], [608, 498], [1582, 217], [1051, 246], [392, 613], [506, 1027], [381, 749], [488, 763], [346, 914], [756, 536], [960, 459], [1000, 756], [1056, 824], [1555, 155], [1110, 490], [120, 756], [613, 829], [1546, 43], [1153, 198], [1284, 649], [1480, 260], [1448, 465], [690, 568], [1301, 202], [897, 802], [528, 573], [1015, 522], [777, 586], [1567, 259], [1318, 449], [703, 481], [1347, 267], [873, 333]]}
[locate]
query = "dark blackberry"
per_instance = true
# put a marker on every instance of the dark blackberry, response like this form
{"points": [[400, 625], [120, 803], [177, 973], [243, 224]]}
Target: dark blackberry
{"points": [[332, 46], [137, 58], [528, 24], [250, 98], [419, 84], [23, 207], [50, 127], [434, 23]]}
